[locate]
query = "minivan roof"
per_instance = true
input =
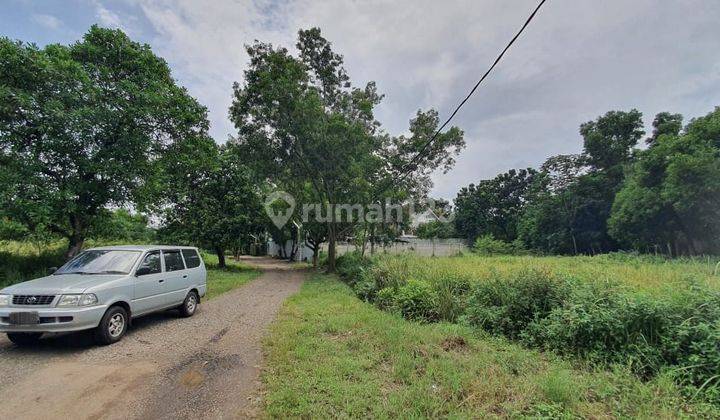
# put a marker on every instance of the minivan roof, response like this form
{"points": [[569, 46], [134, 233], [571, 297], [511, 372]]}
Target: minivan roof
{"points": [[141, 247]]}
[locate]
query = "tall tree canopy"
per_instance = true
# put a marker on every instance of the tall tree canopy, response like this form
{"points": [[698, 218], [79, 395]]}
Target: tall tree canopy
{"points": [[214, 202], [494, 206], [302, 121], [671, 200], [81, 127]]}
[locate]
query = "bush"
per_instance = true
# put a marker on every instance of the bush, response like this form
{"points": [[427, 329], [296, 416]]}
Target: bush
{"points": [[25, 263], [350, 266], [417, 301], [508, 305], [366, 288], [488, 245], [681, 333], [451, 293], [607, 327], [385, 299], [675, 333]]}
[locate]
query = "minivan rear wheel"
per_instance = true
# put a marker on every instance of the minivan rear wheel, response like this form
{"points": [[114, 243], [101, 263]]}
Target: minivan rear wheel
{"points": [[24, 339], [112, 327], [189, 305]]}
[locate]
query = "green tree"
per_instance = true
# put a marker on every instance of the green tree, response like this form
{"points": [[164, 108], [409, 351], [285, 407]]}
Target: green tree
{"points": [[665, 123], [494, 206], [122, 225], [436, 229], [302, 121], [608, 141], [81, 127], [216, 204], [670, 201], [572, 200]]}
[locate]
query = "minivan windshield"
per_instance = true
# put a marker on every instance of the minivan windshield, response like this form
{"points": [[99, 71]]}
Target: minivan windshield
{"points": [[100, 262]]}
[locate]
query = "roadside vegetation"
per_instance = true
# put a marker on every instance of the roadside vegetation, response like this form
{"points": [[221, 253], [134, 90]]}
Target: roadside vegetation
{"points": [[653, 317], [331, 354], [233, 275]]}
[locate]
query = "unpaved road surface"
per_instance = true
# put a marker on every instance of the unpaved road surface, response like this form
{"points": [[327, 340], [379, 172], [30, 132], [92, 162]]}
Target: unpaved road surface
{"points": [[165, 367]]}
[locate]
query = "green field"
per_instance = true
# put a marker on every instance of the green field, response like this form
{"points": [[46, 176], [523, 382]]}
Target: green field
{"points": [[641, 273], [331, 355], [652, 316]]}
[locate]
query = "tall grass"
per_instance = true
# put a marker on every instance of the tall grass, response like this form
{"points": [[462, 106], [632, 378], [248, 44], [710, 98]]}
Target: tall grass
{"points": [[20, 261], [647, 314], [331, 355], [646, 274]]}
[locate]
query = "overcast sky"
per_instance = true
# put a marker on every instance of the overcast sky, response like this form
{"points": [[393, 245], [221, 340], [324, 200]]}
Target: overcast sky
{"points": [[577, 60]]}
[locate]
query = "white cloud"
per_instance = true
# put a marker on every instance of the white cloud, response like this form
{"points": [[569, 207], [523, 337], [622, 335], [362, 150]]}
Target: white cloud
{"points": [[48, 21], [576, 61], [109, 18]]}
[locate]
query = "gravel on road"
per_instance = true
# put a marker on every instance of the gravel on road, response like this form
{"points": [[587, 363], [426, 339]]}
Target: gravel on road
{"points": [[206, 366]]}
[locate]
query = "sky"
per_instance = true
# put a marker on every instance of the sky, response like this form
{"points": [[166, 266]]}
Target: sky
{"points": [[577, 60]]}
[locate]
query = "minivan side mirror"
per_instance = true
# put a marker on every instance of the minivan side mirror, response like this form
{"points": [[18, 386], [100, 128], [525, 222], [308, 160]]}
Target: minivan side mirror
{"points": [[143, 270], [52, 270]]}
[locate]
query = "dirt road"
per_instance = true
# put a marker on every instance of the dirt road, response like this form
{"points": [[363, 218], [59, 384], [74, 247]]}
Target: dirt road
{"points": [[206, 366]]}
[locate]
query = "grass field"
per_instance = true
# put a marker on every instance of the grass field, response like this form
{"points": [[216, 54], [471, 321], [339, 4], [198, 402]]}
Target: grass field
{"points": [[641, 273], [331, 355], [653, 316]]}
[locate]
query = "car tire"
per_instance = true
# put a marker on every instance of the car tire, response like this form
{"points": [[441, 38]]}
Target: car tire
{"points": [[189, 305], [24, 339], [112, 327]]}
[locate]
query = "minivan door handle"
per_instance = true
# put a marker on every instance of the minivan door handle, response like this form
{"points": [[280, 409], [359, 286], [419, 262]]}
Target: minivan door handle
{"points": [[161, 280], [184, 276]]}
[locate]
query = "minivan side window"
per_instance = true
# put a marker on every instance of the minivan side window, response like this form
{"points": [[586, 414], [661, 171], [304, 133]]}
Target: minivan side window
{"points": [[152, 261], [192, 259], [173, 261]]}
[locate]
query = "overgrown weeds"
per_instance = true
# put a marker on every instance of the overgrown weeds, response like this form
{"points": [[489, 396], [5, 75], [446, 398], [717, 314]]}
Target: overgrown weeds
{"points": [[672, 329]]}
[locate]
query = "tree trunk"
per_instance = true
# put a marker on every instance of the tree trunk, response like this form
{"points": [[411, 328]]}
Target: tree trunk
{"points": [[221, 257], [316, 252], [75, 244], [76, 239], [574, 244], [331, 248]]}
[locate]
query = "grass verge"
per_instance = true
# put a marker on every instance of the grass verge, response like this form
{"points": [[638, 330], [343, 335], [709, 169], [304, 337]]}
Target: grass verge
{"points": [[222, 280], [331, 355]]}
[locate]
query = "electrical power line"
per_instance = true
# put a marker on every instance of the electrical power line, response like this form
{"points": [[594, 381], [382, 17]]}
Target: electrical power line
{"points": [[497, 60]]}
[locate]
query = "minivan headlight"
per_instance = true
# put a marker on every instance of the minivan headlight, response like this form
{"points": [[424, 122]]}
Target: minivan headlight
{"points": [[77, 300], [5, 300]]}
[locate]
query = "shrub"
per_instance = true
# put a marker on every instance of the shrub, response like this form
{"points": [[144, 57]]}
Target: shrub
{"points": [[604, 326], [488, 245], [416, 300], [27, 264], [647, 334], [350, 266], [508, 305], [385, 299], [674, 332], [366, 288], [451, 293]]}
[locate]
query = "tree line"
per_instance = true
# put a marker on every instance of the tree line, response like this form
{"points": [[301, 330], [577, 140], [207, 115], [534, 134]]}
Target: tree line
{"points": [[663, 198], [97, 138], [100, 125]]}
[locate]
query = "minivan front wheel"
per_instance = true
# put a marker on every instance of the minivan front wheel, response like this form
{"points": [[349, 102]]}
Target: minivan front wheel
{"points": [[24, 339], [112, 327], [189, 306]]}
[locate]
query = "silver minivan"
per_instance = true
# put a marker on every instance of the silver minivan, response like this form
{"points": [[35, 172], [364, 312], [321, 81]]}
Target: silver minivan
{"points": [[104, 289]]}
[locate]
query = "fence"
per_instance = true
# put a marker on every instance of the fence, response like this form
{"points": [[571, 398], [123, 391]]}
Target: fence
{"points": [[425, 247]]}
